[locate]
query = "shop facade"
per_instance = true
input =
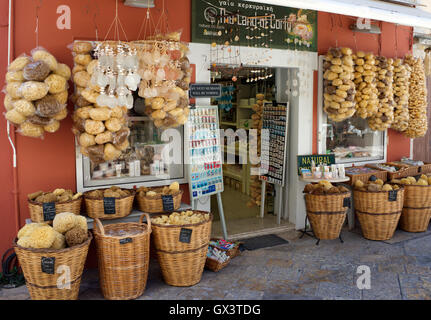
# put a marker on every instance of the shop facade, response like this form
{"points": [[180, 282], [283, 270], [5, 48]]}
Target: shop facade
{"points": [[51, 163]]}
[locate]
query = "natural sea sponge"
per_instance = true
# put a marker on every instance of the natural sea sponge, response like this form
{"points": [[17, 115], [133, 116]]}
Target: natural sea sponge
{"points": [[94, 127], [113, 125], [84, 112], [38, 120], [56, 83], [52, 127], [8, 102], [64, 222], [87, 140], [13, 89], [61, 97], [15, 117], [76, 236], [92, 66], [111, 153], [59, 241], [28, 229], [63, 70], [26, 108], [19, 63], [81, 222], [104, 137], [175, 186], [48, 106], [42, 237], [82, 47], [61, 115], [36, 71], [15, 76], [24, 242], [45, 56], [82, 78], [100, 114], [33, 90], [83, 59]]}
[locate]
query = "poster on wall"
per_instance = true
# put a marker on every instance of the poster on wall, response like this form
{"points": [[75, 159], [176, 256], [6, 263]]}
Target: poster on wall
{"points": [[254, 25]]}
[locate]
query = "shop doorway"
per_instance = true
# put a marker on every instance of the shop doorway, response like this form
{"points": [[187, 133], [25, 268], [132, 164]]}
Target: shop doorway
{"points": [[244, 90]]}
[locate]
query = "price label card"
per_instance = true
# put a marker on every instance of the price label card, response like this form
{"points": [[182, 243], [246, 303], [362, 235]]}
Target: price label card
{"points": [[109, 205], [49, 211], [393, 194], [168, 203], [186, 235], [126, 240], [48, 265]]}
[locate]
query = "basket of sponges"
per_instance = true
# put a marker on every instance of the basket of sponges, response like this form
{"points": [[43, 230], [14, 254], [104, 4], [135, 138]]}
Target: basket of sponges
{"points": [[326, 208], [109, 203], [378, 207], [43, 206], [52, 258], [416, 213], [161, 199]]}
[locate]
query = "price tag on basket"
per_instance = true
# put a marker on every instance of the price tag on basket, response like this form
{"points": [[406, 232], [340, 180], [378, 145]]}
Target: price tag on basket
{"points": [[186, 235], [126, 241], [48, 265], [109, 205], [49, 211], [168, 203], [393, 194]]}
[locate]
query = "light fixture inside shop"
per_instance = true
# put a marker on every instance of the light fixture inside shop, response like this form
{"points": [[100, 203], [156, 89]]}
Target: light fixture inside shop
{"points": [[140, 3]]}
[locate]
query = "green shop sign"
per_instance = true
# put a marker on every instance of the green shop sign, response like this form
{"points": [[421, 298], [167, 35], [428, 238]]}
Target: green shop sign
{"points": [[304, 162], [236, 22]]}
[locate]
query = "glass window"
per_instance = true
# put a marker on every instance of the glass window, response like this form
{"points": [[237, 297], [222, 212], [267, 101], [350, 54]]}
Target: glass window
{"points": [[148, 159], [353, 141]]}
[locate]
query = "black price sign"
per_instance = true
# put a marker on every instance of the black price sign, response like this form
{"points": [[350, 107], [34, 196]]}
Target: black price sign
{"points": [[393, 194], [48, 265], [186, 235], [168, 203], [49, 211], [419, 169], [205, 90], [347, 203], [126, 240], [109, 205]]}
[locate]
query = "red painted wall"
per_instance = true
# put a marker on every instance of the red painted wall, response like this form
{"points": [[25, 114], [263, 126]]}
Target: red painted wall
{"points": [[395, 41], [50, 163]]}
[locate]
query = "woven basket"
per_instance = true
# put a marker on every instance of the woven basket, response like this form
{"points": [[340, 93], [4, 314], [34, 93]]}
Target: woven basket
{"points": [[36, 209], [377, 215], [96, 208], [383, 175], [123, 260], [403, 171], [327, 214], [43, 286], [426, 168], [234, 252], [416, 212], [182, 263], [155, 204], [214, 265]]}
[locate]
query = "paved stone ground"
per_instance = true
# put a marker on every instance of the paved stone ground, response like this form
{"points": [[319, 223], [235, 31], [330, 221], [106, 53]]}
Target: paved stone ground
{"points": [[298, 270]]}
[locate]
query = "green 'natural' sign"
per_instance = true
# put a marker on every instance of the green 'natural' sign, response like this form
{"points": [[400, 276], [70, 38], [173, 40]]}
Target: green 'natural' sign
{"points": [[304, 162], [253, 24]]}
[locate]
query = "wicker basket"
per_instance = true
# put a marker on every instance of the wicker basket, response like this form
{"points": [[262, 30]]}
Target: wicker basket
{"points": [[377, 215], [123, 260], [416, 212], [214, 265], [43, 286], [182, 263], [155, 204], [403, 171], [327, 214], [234, 252], [383, 175], [96, 206], [426, 168], [36, 209]]}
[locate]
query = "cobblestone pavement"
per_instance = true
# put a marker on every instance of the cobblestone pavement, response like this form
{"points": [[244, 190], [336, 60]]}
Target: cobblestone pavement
{"points": [[298, 270]]}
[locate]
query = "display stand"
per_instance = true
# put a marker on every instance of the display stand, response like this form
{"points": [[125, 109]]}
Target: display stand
{"points": [[275, 120], [310, 234], [204, 157]]}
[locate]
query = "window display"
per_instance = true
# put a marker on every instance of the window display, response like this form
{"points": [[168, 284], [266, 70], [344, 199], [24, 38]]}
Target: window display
{"points": [[352, 140]]}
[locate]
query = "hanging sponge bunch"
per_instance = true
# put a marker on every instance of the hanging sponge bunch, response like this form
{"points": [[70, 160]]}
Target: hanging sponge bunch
{"points": [[339, 88], [401, 95], [101, 131], [36, 93]]}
